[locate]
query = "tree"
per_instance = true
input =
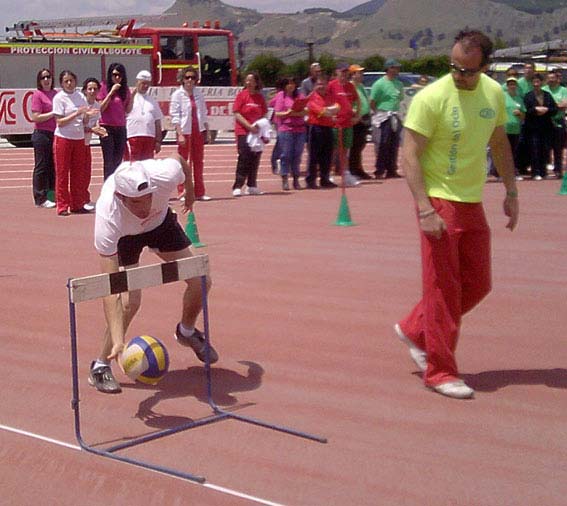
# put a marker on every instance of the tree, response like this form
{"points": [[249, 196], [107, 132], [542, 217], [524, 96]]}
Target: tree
{"points": [[375, 62], [328, 63], [268, 66]]}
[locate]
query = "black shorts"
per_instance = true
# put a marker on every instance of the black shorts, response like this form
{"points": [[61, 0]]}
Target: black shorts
{"points": [[169, 236]]}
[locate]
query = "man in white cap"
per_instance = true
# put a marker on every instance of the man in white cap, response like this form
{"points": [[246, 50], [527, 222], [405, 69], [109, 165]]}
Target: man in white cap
{"points": [[143, 122], [132, 213]]}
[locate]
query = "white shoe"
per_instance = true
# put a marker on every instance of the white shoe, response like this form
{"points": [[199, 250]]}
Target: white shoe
{"points": [[237, 192], [455, 389], [48, 204], [90, 207], [519, 178], [253, 190], [349, 179], [537, 178], [205, 198], [417, 354]]}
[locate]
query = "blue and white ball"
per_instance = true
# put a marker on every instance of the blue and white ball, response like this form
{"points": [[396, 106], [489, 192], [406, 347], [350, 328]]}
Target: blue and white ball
{"points": [[145, 359]]}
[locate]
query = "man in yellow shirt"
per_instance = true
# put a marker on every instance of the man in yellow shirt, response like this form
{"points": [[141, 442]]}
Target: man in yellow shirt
{"points": [[448, 127]]}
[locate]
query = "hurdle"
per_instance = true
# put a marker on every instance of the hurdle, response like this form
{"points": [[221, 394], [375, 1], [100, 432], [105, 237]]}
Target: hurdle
{"points": [[102, 285]]}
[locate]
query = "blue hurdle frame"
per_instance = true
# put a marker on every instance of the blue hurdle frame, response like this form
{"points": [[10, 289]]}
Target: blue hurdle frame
{"points": [[218, 413]]}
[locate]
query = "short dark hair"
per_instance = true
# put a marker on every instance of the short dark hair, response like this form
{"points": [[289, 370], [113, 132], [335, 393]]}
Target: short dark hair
{"points": [[471, 39], [539, 75]]}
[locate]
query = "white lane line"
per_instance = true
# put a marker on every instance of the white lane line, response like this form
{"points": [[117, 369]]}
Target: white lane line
{"points": [[212, 486]]}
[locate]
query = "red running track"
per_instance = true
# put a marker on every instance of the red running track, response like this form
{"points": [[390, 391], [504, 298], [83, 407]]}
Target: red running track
{"points": [[301, 314]]}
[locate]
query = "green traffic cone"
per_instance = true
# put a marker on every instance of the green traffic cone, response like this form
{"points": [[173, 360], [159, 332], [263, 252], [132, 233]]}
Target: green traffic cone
{"points": [[343, 218], [192, 232], [563, 189]]}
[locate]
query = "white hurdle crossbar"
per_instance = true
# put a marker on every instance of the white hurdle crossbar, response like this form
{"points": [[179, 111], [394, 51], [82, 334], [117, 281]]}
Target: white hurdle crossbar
{"points": [[102, 285]]}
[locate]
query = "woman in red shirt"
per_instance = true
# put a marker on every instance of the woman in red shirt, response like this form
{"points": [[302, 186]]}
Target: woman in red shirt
{"points": [[249, 107]]}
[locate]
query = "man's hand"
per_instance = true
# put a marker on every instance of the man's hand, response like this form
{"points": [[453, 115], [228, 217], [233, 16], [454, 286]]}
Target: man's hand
{"points": [[433, 225], [117, 350], [512, 210]]}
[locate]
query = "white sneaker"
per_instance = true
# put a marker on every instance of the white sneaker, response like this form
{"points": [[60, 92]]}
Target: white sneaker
{"points": [[349, 179], [48, 204], [253, 190], [205, 198], [417, 354], [519, 178], [537, 178], [455, 389], [237, 192], [90, 207]]}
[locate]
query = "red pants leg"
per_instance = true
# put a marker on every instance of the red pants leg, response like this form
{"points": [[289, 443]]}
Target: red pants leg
{"points": [[197, 158], [79, 176], [456, 277], [62, 154], [141, 148], [86, 180]]}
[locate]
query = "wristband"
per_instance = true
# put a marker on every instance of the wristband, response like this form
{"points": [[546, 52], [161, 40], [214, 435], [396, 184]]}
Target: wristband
{"points": [[424, 214], [513, 194]]}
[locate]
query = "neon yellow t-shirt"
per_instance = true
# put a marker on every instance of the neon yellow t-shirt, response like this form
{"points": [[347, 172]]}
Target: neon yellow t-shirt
{"points": [[458, 125]]}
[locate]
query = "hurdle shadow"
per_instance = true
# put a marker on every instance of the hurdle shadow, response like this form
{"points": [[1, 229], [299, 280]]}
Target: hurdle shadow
{"points": [[191, 382], [491, 381]]}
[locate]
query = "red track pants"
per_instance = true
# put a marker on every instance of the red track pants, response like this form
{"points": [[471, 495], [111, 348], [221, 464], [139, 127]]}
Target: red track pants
{"points": [[194, 152], [456, 277], [71, 175], [141, 148]]}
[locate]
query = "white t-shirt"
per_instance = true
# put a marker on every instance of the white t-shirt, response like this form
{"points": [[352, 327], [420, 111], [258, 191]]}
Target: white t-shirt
{"points": [[113, 220], [67, 103], [141, 121], [92, 122]]}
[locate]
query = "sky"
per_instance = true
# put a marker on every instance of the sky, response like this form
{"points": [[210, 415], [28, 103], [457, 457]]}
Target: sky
{"points": [[13, 11]]}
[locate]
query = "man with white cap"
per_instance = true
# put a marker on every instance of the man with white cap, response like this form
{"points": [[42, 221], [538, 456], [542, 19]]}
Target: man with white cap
{"points": [[132, 213], [143, 122]]}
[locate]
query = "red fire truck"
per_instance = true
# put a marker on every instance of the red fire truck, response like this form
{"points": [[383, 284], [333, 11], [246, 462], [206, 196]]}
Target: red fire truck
{"points": [[66, 44]]}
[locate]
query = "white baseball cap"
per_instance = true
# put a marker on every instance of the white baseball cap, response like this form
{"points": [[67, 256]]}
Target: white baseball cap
{"points": [[132, 179], [144, 75]]}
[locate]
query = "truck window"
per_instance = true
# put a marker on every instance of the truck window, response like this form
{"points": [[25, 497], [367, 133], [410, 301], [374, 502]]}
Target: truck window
{"points": [[174, 47], [215, 61]]}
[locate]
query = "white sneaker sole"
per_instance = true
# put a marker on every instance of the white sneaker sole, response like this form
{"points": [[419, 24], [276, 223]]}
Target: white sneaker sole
{"points": [[454, 389], [417, 354]]}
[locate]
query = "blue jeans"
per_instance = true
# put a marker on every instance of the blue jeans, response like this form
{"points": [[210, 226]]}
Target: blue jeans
{"points": [[291, 146]]}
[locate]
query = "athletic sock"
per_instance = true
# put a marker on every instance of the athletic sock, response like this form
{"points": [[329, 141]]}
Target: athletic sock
{"points": [[186, 331], [99, 363]]}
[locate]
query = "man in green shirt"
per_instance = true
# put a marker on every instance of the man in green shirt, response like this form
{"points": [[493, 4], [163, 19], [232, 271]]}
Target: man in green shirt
{"points": [[448, 126], [559, 94], [359, 129], [515, 112], [525, 83], [386, 95]]}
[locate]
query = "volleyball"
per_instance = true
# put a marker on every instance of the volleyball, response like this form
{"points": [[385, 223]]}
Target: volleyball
{"points": [[145, 359]]}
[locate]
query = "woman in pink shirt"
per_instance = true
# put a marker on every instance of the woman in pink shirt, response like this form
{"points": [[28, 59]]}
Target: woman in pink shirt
{"points": [[289, 108], [42, 139], [115, 103]]}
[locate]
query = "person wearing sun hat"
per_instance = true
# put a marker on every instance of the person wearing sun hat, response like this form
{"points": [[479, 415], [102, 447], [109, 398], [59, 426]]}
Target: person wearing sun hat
{"points": [[386, 96], [143, 122]]}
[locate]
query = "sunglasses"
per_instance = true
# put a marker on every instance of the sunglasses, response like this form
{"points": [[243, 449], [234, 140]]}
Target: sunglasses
{"points": [[117, 74], [46, 77], [188, 78], [464, 72]]}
